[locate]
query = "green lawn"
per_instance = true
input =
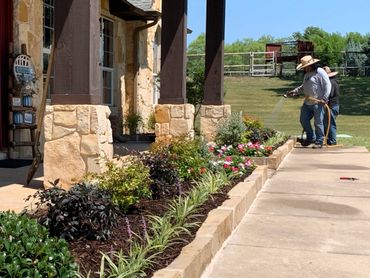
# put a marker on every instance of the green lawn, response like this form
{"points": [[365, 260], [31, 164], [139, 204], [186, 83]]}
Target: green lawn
{"points": [[262, 97]]}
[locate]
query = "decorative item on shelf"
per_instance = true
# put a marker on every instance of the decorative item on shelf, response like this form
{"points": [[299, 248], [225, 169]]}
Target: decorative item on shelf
{"points": [[27, 101], [18, 117], [16, 101], [28, 118]]}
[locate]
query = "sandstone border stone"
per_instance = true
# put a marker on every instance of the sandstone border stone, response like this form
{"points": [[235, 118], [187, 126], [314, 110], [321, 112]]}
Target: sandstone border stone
{"points": [[221, 222], [218, 226], [274, 160]]}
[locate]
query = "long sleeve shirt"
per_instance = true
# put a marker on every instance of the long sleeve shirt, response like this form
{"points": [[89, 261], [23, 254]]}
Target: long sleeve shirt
{"points": [[315, 84], [334, 94]]}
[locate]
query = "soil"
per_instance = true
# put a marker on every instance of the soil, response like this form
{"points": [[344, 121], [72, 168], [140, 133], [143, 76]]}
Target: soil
{"points": [[87, 252]]}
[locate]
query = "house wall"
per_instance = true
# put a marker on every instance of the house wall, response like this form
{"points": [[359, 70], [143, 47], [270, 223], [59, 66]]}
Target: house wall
{"points": [[133, 91], [27, 30]]}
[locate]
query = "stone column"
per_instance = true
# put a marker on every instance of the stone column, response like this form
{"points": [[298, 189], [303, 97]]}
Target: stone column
{"points": [[210, 116], [78, 140], [78, 135], [174, 120]]}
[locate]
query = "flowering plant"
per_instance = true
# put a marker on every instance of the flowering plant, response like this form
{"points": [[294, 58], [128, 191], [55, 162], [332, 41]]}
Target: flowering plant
{"points": [[230, 160], [248, 149]]}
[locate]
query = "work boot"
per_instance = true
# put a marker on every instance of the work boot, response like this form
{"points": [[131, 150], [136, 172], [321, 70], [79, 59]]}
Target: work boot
{"points": [[305, 143], [317, 146]]}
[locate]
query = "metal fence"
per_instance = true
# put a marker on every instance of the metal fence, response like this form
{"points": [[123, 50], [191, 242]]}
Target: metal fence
{"points": [[265, 64]]}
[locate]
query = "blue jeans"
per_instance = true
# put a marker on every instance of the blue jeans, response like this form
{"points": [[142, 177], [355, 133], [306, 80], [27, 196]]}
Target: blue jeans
{"points": [[316, 112], [332, 137]]}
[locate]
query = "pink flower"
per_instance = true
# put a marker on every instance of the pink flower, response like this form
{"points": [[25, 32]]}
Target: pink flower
{"points": [[228, 158], [226, 166], [234, 169], [248, 162]]}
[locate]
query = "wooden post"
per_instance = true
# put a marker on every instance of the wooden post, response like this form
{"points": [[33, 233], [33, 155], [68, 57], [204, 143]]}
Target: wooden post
{"points": [[214, 67], [173, 45], [76, 71]]}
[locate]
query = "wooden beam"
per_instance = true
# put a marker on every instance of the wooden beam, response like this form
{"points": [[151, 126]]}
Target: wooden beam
{"points": [[77, 71], [173, 45], [214, 66]]}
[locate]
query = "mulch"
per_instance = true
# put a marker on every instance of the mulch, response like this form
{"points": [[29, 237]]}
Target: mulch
{"points": [[87, 252]]}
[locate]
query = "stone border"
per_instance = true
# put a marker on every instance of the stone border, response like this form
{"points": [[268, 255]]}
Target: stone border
{"points": [[220, 223], [273, 161]]}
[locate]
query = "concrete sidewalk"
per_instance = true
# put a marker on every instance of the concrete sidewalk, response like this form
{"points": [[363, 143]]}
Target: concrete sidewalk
{"points": [[305, 222], [13, 190]]}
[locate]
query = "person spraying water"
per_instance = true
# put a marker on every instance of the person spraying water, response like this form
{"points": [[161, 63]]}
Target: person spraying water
{"points": [[316, 88]]}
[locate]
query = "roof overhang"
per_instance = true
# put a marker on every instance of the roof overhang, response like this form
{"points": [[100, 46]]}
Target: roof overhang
{"points": [[127, 11]]}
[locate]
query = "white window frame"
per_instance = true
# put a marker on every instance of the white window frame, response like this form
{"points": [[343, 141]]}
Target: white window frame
{"points": [[104, 68]]}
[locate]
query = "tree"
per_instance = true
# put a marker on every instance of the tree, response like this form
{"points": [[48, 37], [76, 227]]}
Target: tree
{"points": [[356, 59]]}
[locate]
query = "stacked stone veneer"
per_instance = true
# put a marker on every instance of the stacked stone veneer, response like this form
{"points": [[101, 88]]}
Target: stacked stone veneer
{"points": [[78, 140], [210, 116], [174, 120]]}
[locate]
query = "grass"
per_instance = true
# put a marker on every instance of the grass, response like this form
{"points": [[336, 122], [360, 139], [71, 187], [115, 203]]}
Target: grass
{"points": [[262, 98]]}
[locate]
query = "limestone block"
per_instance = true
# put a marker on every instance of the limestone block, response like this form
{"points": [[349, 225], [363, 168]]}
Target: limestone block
{"points": [[194, 257], [208, 128], [106, 151], [90, 145], [165, 129], [64, 107], [109, 133], [93, 165], [243, 189], [48, 127], [157, 129], [60, 131], [203, 111], [215, 111], [162, 114], [227, 111], [238, 206], [180, 127], [23, 12], [177, 111], [189, 111], [62, 160], [218, 226], [49, 109], [167, 273], [83, 119], [98, 119], [65, 118], [256, 176]]}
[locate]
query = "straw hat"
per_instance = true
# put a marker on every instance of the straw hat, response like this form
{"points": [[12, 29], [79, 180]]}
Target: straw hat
{"points": [[307, 61], [329, 72]]}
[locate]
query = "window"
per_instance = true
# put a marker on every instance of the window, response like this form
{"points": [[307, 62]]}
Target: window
{"points": [[106, 59], [48, 29]]}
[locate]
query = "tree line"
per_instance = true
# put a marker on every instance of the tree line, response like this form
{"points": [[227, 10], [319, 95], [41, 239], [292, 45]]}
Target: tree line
{"points": [[333, 49]]}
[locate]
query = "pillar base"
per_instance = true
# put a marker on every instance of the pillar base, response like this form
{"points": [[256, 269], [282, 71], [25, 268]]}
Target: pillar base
{"points": [[174, 120], [210, 116], [78, 140]]}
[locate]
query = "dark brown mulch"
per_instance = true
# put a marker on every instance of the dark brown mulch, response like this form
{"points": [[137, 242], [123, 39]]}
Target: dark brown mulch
{"points": [[87, 252]]}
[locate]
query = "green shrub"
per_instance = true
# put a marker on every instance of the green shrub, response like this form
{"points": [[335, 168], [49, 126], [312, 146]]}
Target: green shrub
{"points": [[128, 184], [163, 173], [255, 132], [188, 155], [26, 250], [230, 130], [83, 211]]}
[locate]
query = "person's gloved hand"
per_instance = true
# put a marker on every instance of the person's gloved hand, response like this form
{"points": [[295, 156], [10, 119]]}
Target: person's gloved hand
{"points": [[291, 94], [321, 102]]}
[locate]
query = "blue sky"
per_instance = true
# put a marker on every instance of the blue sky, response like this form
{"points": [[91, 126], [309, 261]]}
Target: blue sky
{"points": [[252, 19]]}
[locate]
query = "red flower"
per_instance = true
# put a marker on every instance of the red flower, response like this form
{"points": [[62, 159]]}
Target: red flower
{"points": [[202, 170]]}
